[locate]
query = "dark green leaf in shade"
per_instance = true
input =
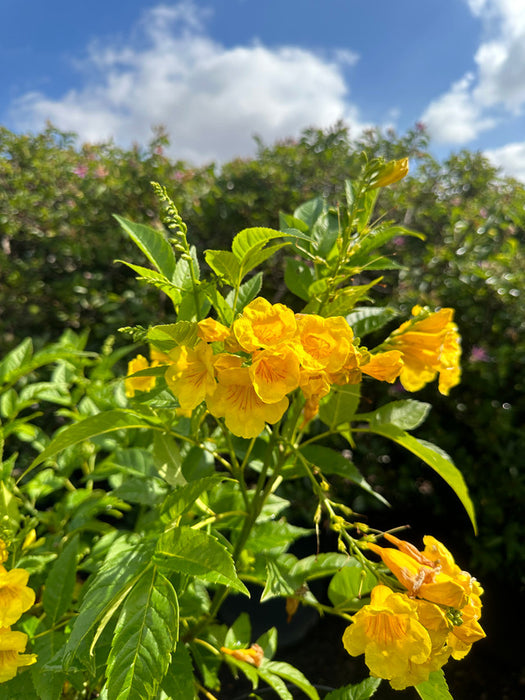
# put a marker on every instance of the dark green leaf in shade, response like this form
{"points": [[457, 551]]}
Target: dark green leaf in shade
{"points": [[179, 683], [60, 582]]}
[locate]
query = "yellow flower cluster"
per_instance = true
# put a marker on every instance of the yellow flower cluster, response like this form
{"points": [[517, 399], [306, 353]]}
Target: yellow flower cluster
{"points": [[406, 636], [15, 599], [245, 373]]}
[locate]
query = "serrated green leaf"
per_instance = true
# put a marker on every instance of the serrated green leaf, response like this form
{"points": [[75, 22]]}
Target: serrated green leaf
{"points": [[279, 580], [407, 414], [325, 232], [287, 221], [268, 643], [225, 265], [319, 565], [273, 535], [15, 360], [256, 257], [367, 319], [239, 634], [199, 554], [87, 428], [167, 459], [152, 243], [106, 591], [310, 211], [274, 681], [220, 304], [247, 293], [436, 458], [157, 279], [144, 638], [361, 691], [60, 582], [252, 239], [166, 337], [183, 498], [179, 681], [435, 688], [347, 297]]}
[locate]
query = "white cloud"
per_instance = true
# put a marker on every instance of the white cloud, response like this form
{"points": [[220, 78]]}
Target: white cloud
{"points": [[212, 99], [497, 91], [510, 158]]}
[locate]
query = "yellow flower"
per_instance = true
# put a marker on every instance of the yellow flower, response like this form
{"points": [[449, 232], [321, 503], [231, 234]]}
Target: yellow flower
{"points": [[3, 552], [429, 344], [391, 172], [15, 596], [158, 357], [264, 325], [133, 384], [384, 366], [388, 632], [236, 400], [211, 330], [191, 376], [11, 644], [420, 576], [325, 342], [274, 373], [253, 656]]}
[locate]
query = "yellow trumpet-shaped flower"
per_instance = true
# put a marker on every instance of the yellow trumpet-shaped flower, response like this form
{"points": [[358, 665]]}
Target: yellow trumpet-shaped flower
{"points": [[391, 172], [236, 400], [274, 373], [325, 342], [191, 376], [389, 634], [15, 596], [133, 384], [385, 366], [429, 345], [264, 325], [211, 330], [253, 656], [11, 658]]}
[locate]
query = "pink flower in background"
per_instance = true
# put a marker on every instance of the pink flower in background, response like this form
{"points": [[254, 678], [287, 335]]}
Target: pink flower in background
{"points": [[80, 170], [479, 354]]}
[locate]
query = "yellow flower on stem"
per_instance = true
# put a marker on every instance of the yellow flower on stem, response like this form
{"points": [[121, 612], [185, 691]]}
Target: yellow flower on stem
{"points": [[389, 634], [15, 596], [264, 325], [391, 172], [385, 366], [236, 400], [11, 658], [133, 384], [325, 342], [191, 376], [211, 330], [274, 373], [430, 345]]}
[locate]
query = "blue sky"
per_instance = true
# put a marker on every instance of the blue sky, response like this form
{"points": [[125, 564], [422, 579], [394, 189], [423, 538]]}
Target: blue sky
{"points": [[216, 72]]}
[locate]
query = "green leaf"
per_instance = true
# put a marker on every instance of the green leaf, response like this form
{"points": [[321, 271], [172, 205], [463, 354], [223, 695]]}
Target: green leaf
{"points": [[196, 553], [279, 580], [375, 238], [219, 303], [435, 688], [407, 414], [367, 319], [247, 292], [60, 583], [287, 221], [347, 298], [15, 360], [298, 277], [363, 209], [224, 264], [268, 643], [145, 636], [167, 337], [310, 211], [325, 232], [319, 565], [292, 675], [156, 279], [183, 498], [167, 459], [90, 427], [362, 691], [179, 681], [251, 239], [274, 681], [153, 244], [350, 585], [341, 405], [256, 257], [106, 592], [273, 535], [436, 458], [240, 633]]}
